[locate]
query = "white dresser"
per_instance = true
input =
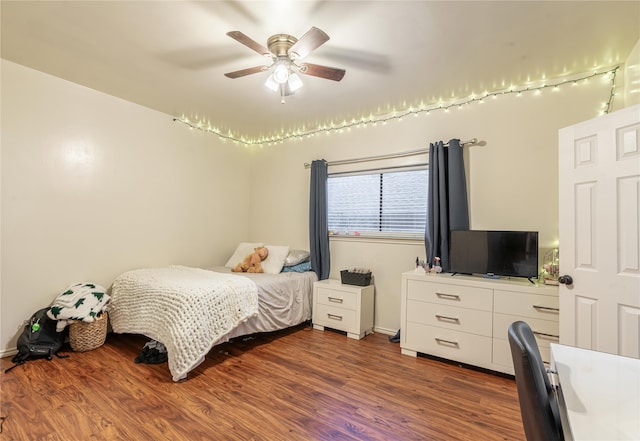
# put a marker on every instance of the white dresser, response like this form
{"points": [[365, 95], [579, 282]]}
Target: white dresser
{"points": [[465, 318], [346, 308]]}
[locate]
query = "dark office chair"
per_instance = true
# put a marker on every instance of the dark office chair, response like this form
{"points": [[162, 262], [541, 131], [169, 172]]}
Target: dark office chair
{"points": [[538, 402]]}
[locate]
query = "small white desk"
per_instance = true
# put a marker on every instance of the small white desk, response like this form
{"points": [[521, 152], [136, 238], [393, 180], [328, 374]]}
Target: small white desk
{"points": [[599, 394]]}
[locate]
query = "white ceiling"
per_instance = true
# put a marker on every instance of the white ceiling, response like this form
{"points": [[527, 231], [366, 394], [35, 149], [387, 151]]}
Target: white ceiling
{"points": [[171, 55]]}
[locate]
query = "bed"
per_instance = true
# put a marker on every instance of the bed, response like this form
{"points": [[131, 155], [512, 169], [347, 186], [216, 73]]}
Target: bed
{"points": [[190, 310]]}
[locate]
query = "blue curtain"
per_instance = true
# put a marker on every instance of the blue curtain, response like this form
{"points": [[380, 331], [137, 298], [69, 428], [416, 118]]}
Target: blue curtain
{"points": [[448, 208], [318, 225]]}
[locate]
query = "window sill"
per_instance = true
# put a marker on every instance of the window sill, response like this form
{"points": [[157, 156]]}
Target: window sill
{"points": [[378, 239]]}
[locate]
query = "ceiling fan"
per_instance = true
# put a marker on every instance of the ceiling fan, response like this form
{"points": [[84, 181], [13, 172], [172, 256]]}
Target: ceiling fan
{"points": [[285, 51]]}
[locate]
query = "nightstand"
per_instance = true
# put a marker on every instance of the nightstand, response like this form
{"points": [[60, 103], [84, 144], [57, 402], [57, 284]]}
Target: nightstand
{"points": [[347, 308]]}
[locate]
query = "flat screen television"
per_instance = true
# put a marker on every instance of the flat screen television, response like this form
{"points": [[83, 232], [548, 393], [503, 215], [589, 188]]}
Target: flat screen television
{"points": [[494, 253]]}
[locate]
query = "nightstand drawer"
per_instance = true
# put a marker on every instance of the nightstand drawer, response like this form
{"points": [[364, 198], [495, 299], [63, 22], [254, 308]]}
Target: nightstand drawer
{"points": [[449, 294], [450, 317], [336, 318], [334, 297]]}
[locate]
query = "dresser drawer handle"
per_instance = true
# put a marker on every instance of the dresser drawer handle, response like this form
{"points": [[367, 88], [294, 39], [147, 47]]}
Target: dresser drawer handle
{"points": [[444, 318], [334, 317], [441, 341], [542, 334], [335, 300], [546, 308], [442, 295]]}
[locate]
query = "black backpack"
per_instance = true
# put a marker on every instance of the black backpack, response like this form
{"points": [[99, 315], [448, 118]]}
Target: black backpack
{"points": [[39, 339]]}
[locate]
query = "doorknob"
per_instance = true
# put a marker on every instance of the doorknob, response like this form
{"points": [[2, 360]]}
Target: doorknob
{"points": [[566, 280]]}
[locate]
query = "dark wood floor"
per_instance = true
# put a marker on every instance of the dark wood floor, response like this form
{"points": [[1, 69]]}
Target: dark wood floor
{"points": [[299, 384]]}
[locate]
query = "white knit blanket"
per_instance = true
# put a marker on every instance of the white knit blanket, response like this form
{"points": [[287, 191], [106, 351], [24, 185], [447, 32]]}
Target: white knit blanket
{"points": [[186, 309]]}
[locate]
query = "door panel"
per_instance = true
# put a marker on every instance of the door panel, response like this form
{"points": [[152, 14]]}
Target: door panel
{"points": [[586, 240], [599, 189], [628, 215]]}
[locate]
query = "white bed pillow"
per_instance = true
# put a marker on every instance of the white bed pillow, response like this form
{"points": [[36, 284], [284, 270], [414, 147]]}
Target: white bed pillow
{"points": [[241, 251], [275, 261]]}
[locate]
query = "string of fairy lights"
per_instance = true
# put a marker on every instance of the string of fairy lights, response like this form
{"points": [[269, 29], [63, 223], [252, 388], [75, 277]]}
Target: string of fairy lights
{"points": [[373, 120]]}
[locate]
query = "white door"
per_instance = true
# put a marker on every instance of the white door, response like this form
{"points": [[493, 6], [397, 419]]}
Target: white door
{"points": [[599, 185]]}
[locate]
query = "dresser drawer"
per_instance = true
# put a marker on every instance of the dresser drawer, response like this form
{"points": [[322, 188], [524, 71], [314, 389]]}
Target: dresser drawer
{"points": [[450, 317], [527, 305], [334, 297], [455, 295], [334, 317], [546, 331], [502, 354], [453, 345]]}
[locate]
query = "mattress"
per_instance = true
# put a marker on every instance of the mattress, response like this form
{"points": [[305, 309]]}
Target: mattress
{"points": [[190, 310], [284, 300]]}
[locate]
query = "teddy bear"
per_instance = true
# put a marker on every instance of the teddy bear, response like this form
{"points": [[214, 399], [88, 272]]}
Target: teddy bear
{"points": [[252, 263]]}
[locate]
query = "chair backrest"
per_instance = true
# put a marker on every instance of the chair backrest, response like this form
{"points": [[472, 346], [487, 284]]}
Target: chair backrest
{"points": [[538, 402]]}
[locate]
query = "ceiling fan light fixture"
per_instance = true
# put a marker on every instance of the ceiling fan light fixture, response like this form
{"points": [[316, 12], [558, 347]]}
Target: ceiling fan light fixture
{"points": [[281, 73], [289, 87], [295, 82], [271, 84]]}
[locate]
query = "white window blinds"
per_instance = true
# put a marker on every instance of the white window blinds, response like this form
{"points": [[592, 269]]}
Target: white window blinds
{"points": [[392, 204]]}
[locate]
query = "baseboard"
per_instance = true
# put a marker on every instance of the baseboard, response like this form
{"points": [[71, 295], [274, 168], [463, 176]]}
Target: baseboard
{"points": [[13, 351], [384, 330], [8, 352]]}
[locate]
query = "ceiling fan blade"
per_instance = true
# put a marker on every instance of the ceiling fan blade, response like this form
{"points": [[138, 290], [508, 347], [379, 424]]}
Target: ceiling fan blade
{"points": [[313, 39], [250, 43], [245, 72], [330, 73], [361, 59]]}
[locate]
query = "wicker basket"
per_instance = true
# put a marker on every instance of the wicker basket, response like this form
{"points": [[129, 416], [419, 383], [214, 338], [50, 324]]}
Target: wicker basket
{"points": [[86, 336]]}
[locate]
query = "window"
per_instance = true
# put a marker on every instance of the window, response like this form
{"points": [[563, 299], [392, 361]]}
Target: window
{"points": [[386, 204]]}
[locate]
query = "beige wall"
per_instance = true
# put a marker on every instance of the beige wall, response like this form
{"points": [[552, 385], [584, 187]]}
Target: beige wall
{"points": [[631, 73], [93, 186], [512, 179]]}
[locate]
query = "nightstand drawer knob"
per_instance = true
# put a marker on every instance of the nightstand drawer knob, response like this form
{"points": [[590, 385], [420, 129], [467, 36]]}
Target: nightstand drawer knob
{"points": [[334, 317], [335, 300]]}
